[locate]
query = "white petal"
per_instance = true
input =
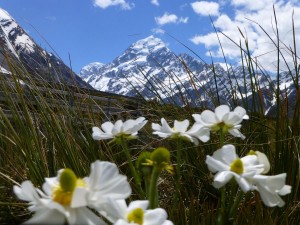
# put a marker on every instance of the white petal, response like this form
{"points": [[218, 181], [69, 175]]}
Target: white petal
{"points": [[128, 125], [140, 120], [226, 154], [220, 111], [118, 128], [114, 210], [121, 222], [274, 183], [47, 216], [200, 132], [155, 216], [165, 126], [162, 135], [79, 197], [236, 133], [263, 159], [181, 126], [168, 222], [232, 118], [141, 124], [250, 160], [107, 127], [134, 127], [26, 192], [243, 183], [241, 112], [97, 133], [83, 215], [100, 135], [215, 165], [156, 126], [209, 118], [143, 204], [270, 199], [105, 181], [50, 182], [222, 178], [270, 187], [285, 190], [197, 118], [195, 128]]}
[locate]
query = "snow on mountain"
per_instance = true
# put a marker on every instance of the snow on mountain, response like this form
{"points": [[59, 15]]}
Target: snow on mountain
{"points": [[14, 41], [149, 68], [15, 36], [90, 69]]}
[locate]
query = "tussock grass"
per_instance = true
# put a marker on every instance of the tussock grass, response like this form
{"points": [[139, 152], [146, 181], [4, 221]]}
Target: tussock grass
{"points": [[42, 131]]}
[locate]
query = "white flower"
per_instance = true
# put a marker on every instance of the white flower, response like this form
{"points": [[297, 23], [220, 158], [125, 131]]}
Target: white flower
{"points": [[56, 208], [223, 119], [227, 165], [271, 188], [136, 212], [66, 198], [262, 159], [179, 130], [105, 182], [128, 128]]}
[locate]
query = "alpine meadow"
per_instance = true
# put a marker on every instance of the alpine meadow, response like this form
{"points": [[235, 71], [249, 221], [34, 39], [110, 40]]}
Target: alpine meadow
{"points": [[152, 137]]}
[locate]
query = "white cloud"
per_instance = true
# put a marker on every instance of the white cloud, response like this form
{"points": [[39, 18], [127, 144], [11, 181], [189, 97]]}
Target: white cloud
{"points": [[260, 45], [158, 31], [155, 2], [166, 18], [183, 20], [107, 3], [205, 8], [170, 18], [252, 5]]}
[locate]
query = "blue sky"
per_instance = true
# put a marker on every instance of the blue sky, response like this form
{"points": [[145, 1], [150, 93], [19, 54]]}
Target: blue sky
{"points": [[100, 30]]}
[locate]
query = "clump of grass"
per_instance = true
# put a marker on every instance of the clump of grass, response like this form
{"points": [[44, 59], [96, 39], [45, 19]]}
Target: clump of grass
{"points": [[47, 126]]}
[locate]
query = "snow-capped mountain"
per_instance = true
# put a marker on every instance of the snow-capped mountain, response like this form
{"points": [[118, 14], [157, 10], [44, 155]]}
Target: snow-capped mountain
{"points": [[149, 68], [21, 48]]}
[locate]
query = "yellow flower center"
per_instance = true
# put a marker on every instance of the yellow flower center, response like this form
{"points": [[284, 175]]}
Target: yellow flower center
{"points": [[63, 192], [222, 126], [136, 216], [237, 166]]}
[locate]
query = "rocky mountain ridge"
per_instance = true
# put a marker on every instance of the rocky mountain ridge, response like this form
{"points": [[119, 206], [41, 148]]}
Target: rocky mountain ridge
{"points": [[20, 48], [150, 69]]}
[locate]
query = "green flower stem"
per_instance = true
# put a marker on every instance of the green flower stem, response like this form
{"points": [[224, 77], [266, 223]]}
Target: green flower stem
{"points": [[221, 219], [234, 207], [132, 168], [153, 193], [179, 153], [221, 138], [178, 165]]}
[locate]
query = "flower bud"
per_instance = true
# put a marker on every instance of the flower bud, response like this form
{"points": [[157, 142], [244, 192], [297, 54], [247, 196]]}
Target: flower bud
{"points": [[68, 180], [142, 163], [161, 159]]}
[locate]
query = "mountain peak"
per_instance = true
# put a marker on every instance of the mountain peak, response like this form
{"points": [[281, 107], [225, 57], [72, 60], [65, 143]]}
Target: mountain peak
{"points": [[4, 15], [15, 37], [22, 48], [150, 43], [91, 68]]}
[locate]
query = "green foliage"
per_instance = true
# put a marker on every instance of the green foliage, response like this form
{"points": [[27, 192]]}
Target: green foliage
{"points": [[42, 132]]}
